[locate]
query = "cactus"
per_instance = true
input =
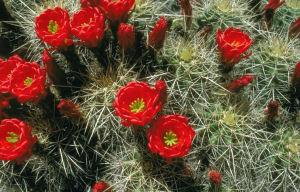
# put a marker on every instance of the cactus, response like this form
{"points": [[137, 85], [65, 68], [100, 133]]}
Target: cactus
{"points": [[232, 133]]}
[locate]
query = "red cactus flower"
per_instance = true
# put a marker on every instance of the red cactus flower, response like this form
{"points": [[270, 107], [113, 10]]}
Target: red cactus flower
{"points": [[170, 136], [232, 44], [53, 27], [126, 36], [16, 141], [137, 103], [88, 25], [6, 68], [215, 176], [28, 82], [89, 3], [295, 28], [68, 109], [240, 83], [274, 4], [116, 11], [272, 110], [157, 36], [101, 186], [186, 11]]}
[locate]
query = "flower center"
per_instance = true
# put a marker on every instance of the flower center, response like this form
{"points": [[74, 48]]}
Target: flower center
{"points": [[52, 27], [170, 138], [85, 24], [13, 139], [235, 43], [28, 81], [137, 105]]}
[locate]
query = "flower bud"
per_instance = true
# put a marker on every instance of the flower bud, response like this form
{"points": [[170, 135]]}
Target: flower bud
{"points": [[294, 30], [238, 84], [215, 176], [126, 36], [68, 109], [157, 36]]}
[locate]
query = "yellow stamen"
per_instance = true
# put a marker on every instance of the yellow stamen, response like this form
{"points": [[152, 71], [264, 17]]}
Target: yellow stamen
{"points": [[235, 43], [137, 105], [85, 24], [170, 138], [52, 27], [13, 139], [28, 81]]}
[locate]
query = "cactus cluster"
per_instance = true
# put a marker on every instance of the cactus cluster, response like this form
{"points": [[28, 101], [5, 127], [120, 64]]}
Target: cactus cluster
{"points": [[243, 104]]}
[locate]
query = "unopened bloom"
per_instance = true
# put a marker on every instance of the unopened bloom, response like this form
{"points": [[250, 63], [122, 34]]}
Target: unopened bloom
{"points": [[126, 36], [170, 136], [295, 28], [89, 3], [88, 25], [101, 186], [274, 4], [215, 176], [68, 109], [240, 83], [16, 141], [272, 110], [6, 68], [4, 102], [186, 11], [53, 27], [157, 36], [232, 44], [161, 86], [53, 70], [137, 103], [28, 82], [296, 80], [186, 7], [116, 11]]}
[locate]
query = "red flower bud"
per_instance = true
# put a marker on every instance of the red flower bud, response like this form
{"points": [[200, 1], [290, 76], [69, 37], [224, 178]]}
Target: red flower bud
{"points": [[186, 7], [273, 4], [16, 141], [137, 103], [162, 88], [186, 11], [157, 36], [68, 109], [116, 11], [126, 36], [240, 83], [4, 102], [54, 72], [296, 77], [89, 3], [232, 44], [101, 186], [295, 28], [53, 27], [215, 176], [28, 82], [170, 136], [272, 110], [88, 25]]}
